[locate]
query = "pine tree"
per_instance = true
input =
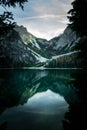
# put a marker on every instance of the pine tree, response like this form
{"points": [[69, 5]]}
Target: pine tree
{"points": [[6, 19], [78, 16], [78, 23], [12, 3]]}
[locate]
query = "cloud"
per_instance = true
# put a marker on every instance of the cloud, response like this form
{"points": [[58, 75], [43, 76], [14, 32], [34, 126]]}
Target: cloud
{"points": [[44, 18], [59, 7], [44, 27]]}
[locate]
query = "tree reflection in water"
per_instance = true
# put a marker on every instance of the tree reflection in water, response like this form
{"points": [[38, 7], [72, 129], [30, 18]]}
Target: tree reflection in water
{"points": [[17, 86], [75, 118]]}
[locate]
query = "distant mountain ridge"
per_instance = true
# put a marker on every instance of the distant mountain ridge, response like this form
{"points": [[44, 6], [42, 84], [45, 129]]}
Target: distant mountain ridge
{"points": [[65, 42], [21, 49]]}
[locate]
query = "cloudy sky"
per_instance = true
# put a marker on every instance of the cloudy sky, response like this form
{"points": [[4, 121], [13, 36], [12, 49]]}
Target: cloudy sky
{"points": [[44, 18]]}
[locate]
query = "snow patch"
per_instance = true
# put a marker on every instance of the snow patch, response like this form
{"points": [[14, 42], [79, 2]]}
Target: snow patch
{"points": [[70, 53], [36, 44], [25, 42], [33, 43], [37, 56]]}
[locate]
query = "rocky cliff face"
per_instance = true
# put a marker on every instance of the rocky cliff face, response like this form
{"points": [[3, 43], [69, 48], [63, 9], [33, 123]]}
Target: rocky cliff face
{"points": [[20, 48], [36, 44], [13, 51], [65, 42], [65, 52]]}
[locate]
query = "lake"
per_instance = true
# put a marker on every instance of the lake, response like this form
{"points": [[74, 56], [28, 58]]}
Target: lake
{"points": [[34, 99]]}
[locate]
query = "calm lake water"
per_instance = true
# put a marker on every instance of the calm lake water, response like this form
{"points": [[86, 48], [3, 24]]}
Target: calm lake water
{"points": [[40, 99]]}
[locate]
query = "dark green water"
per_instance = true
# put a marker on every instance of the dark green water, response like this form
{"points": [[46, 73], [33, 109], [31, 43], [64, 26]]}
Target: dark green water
{"points": [[40, 99]]}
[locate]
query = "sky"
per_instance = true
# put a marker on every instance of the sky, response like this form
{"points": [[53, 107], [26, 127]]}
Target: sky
{"points": [[43, 18]]}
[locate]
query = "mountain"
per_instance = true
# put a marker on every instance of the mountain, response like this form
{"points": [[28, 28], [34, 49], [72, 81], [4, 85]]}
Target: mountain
{"points": [[13, 51], [65, 42], [52, 45], [66, 50], [68, 60], [19, 48], [36, 44]]}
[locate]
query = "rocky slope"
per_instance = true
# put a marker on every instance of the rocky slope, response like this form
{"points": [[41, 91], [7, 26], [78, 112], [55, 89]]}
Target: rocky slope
{"points": [[66, 50], [21, 49], [36, 44], [68, 60], [65, 42], [14, 52]]}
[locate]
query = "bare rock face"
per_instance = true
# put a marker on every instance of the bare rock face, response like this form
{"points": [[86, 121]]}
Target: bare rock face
{"points": [[13, 51], [65, 42], [65, 52], [19, 48], [68, 38]]}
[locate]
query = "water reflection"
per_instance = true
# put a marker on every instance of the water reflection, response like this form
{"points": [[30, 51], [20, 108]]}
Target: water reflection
{"points": [[75, 118], [38, 113], [27, 99]]}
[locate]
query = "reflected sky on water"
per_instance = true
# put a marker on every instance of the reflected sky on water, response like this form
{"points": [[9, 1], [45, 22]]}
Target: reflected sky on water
{"points": [[36, 99]]}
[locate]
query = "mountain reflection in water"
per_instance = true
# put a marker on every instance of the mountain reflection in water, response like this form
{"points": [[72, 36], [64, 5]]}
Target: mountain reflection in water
{"points": [[37, 99]]}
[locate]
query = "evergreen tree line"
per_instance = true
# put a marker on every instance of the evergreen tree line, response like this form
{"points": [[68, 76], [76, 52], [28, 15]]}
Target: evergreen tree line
{"points": [[78, 22]]}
